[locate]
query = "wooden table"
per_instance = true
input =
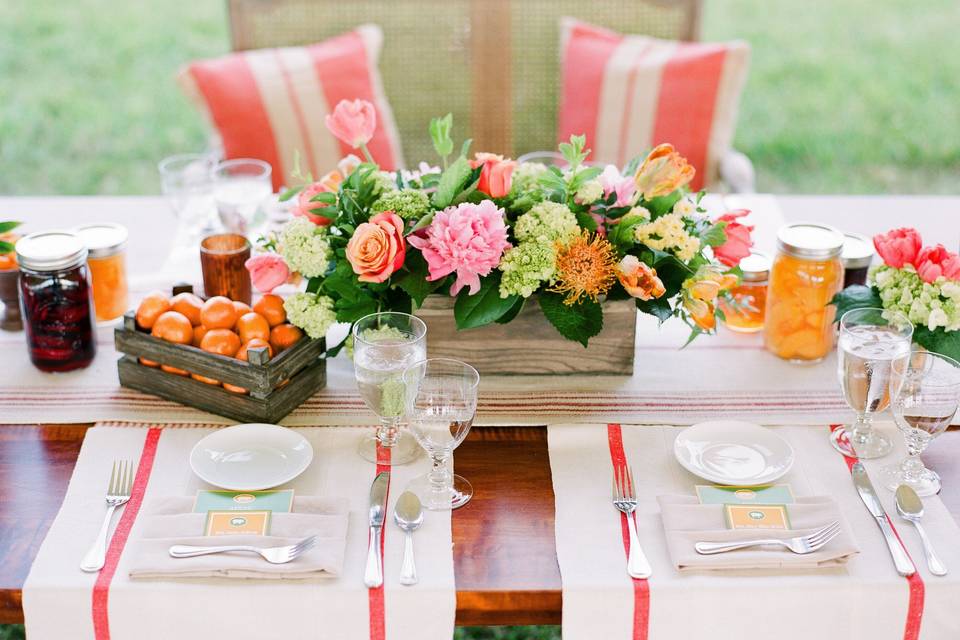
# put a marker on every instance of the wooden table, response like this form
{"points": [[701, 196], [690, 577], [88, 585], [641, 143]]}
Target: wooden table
{"points": [[505, 559]]}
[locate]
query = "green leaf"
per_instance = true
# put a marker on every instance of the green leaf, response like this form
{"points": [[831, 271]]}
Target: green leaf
{"points": [[414, 282], [663, 204], [484, 307], [513, 312], [715, 235], [325, 197], [452, 182], [577, 322], [289, 193], [465, 149], [573, 151], [9, 226], [440, 135], [353, 310], [586, 221], [658, 307], [938, 341], [856, 296]]}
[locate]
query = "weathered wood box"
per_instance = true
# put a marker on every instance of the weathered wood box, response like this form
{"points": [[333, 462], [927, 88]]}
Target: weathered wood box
{"points": [[529, 344], [276, 385]]}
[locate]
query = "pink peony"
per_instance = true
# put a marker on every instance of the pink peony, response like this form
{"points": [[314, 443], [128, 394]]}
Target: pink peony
{"points": [[377, 248], [737, 246], [496, 175], [353, 122], [898, 247], [933, 262], [267, 271], [468, 239], [613, 182]]}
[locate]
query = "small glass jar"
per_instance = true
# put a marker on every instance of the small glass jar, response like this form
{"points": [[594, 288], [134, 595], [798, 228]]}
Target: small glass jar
{"points": [[107, 259], [856, 256], [806, 274], [55, 300], [746, 313]]}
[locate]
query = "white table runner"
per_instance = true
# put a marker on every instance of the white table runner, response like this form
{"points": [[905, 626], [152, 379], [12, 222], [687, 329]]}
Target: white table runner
{"points": [[60, 601], [866, 599]]}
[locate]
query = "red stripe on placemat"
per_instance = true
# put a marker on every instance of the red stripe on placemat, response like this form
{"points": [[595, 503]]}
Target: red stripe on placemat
{"points": [[641, 587], [378, 615], [101, 589], [911, 630]]}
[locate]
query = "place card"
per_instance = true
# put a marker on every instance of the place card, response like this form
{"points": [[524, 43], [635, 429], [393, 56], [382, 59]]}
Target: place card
{"points": [[767, 494], [757, 516], [276, 500], [236, 523]]}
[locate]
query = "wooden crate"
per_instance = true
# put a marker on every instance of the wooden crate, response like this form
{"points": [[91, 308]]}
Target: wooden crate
{"points": [[529, 344], [302, 364]]}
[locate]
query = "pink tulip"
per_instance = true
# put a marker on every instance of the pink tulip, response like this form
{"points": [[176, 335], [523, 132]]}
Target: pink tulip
{"points": [[267, 271], [898, 247], [737, 246], [496, 175], [933, 262], [353, 122]]}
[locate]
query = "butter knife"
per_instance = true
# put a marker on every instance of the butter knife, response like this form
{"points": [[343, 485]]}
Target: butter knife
{"points": [[373, 574], [869, 496]]}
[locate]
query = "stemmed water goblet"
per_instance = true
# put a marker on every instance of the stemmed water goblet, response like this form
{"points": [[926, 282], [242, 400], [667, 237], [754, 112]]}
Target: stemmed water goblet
{"points": [[240, 188], [925, 394], [384, 346], [186, 180], [871, 342], [441, 404]]}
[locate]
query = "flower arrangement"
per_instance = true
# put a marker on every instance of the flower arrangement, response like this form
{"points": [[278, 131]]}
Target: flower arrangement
{"points": [[921, 282], [492, 232]]}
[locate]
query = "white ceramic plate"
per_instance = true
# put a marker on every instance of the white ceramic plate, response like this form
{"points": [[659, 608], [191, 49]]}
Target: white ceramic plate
{"points": [[250, 457], [733, 452]]}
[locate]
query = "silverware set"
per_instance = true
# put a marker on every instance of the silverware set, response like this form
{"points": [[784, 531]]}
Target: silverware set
{"points": [[118, 494]]}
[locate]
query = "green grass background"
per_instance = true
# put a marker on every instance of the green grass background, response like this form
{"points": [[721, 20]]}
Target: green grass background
{"points": [[844, 96]]}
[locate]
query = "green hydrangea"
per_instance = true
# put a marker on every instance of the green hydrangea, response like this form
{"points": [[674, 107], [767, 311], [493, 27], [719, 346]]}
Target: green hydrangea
{"points": [[546, 222], [525, 267], [589, 192], [305, 248], [312, 313], [525, 176], [934, 305], [409, 204], [386, 181]]}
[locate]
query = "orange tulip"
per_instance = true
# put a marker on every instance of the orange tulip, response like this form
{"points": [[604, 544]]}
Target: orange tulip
{"points": [[663, 172], [639, 279], [700, 295]]}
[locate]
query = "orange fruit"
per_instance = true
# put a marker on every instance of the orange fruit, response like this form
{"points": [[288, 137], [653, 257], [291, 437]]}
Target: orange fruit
{"points": [[204, 379], [271, 307], [252, 325], [149, 363], [284, 336], [189, 305], [173, 327], [198, 332], [241, 307], [169, 369], [234, 388], [153, 305], [218, 313], [222, 341]]}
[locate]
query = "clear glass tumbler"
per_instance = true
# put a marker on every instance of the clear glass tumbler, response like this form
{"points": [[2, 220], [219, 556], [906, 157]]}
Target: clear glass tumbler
{"points": [[441, 405], [186, 180], [240, 187], [871, 342], [384, 346]]}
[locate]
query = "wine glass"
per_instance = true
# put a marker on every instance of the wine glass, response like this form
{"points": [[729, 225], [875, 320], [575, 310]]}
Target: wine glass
{"points": [[240, 187], [187, 182], [384, 345], [441, 404], [871, 342], [926, 393]]}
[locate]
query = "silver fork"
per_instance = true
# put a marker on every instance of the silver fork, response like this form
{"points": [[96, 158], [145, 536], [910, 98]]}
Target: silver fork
{"points": [[118, 493], [274, 555], [800, 544], [625, 500]]}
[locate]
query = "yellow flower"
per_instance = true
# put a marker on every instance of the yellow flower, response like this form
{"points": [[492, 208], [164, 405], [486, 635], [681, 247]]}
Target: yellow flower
{"points": [[663, 172], [667, 233], [585, 267], [700, 295]]}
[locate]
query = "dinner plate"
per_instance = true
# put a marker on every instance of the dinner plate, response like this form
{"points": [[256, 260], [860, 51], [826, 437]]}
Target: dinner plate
{"points": [[250, 457], [733, 452]]}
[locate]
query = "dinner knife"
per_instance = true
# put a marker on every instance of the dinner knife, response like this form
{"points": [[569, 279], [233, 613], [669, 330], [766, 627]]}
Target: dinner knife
{"points": [[373, 574], [869, 496]]}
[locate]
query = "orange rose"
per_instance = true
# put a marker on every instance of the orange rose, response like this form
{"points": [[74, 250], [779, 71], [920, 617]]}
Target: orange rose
{"points": [[377, 247], [496, 175], [663, 172], [700, 295], [639, 279]]}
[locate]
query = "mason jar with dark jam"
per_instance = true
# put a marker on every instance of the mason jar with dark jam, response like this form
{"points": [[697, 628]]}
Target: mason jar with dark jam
{"points": [[56, 301]]}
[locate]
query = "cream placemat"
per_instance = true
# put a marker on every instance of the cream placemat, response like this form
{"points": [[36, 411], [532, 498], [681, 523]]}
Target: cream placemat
{"points": [[60, 600], [863, 599]]}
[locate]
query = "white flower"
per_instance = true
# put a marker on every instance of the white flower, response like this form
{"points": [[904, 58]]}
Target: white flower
{"points": [[685, 208], [937, 318], [589, 192]]}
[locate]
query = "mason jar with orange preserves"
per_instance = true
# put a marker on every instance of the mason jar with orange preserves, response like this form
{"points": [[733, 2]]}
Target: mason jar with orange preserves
{"points": [[806, 274], [106, 244], [743, 312]]}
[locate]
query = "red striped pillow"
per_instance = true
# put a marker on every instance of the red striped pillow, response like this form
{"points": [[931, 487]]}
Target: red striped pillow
{"points": [[271, 103], [630, 93]]}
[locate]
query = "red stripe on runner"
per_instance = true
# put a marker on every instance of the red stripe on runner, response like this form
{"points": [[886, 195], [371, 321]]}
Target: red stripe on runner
{"points": [[101, 589], [378, 614], [641, 586], [911, 630]]}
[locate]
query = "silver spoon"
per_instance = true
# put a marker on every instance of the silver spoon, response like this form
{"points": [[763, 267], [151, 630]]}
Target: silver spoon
{"points": [[409, 516], [910, 508]]}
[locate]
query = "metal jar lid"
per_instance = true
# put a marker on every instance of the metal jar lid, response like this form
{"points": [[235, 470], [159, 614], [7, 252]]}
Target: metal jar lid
{"points": [[103, 239], [50, 251], [755, 267], [857, 251], [810, 241]]}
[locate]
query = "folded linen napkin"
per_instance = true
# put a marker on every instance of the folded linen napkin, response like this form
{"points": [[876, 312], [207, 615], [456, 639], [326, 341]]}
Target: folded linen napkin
{"points": [[170, 521], [686, 522]]}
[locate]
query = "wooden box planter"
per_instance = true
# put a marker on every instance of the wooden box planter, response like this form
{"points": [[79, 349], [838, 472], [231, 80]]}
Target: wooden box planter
{"points": [[303, 365], [529, 344]]}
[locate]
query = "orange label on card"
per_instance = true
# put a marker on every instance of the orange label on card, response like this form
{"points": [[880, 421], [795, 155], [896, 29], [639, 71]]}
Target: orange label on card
{"points": [[756, 516], [236, 523]]}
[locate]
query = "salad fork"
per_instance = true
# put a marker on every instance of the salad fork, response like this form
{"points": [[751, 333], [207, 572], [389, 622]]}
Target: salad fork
{"points": [[625, 500], [800, 544], [118, 493], [273, 555]]}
